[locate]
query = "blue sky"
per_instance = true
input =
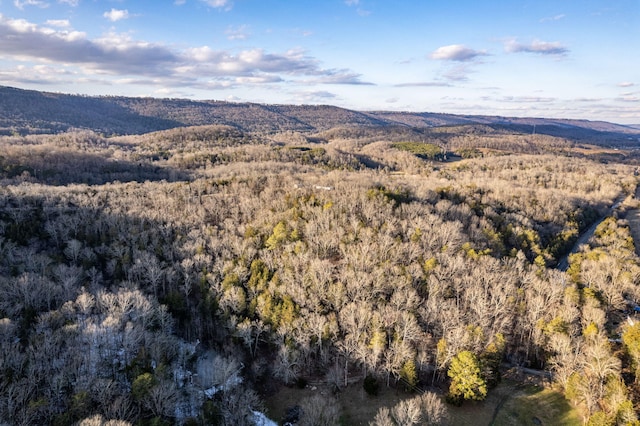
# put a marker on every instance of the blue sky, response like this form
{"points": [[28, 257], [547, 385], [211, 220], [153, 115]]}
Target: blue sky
{"points": [[537, 58]]}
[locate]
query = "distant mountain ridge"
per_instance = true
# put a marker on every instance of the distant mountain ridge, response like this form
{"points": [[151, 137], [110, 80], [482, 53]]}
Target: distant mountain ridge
{"points": [[30, 111]]}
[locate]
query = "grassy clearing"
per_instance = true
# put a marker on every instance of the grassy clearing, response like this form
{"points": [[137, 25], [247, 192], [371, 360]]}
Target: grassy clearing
{"points": [[357, 407], [427, 151], [533, 406], [473, 413], [508, 404]]}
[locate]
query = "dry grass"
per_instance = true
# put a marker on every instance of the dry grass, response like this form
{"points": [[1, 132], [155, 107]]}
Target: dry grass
{"points": [[510, 403], [356, 406], [535, 405]]}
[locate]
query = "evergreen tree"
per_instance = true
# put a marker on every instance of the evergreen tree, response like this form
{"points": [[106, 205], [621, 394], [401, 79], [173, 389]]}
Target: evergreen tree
{"points": [[466, 378]]}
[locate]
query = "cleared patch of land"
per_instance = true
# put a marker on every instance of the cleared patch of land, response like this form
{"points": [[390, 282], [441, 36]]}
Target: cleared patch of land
{"points": [[511, 403]]}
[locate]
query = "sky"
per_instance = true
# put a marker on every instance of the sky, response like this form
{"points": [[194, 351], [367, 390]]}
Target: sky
{"points": [[577, 59]]}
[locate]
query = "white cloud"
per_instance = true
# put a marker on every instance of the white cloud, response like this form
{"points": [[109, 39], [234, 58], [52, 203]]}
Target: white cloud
{"points": [[456, 52], [245, 62], [626, 84], [461, 60], [119, 55], [116, 14], [219, 4], [21, 26], [536, 46], [72, 3], [111, 54], [39, 3], [39, 74]]}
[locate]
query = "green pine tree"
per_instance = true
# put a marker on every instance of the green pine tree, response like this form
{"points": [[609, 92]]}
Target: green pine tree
{"points": [[466, 378]]}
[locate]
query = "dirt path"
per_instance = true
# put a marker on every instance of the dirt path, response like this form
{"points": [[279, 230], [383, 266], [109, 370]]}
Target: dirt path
{"points": [[496, 410], [515, 393]]}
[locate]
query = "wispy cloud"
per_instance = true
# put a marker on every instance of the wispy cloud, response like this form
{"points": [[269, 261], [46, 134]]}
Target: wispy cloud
{"points": [[259, 79], [528, 99], [553, 18], [299, 32], [61, 23], [340, 76], [116, 14], [536, 46], [72, 3], [626, 84], [315, 96], [459, 72], [629, 98], [358, 5], [237, 33], [219, 4], [423, 84], [20, 4], [456, 52]]}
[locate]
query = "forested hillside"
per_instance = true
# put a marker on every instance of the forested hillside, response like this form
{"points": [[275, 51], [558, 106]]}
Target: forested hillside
{"points": [[185, 276], [31, 112]]}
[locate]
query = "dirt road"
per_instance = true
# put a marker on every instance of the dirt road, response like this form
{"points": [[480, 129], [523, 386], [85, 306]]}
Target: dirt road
{"points": [[563, 264]]}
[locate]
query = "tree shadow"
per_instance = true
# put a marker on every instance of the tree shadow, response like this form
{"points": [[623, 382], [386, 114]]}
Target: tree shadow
{"points": [[66, 167]]}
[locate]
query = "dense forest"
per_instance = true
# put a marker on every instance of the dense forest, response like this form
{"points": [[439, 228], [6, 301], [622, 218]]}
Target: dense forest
{"points": [[184, 276]]}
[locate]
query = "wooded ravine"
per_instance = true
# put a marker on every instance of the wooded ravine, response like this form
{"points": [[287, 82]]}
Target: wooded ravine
{"points": [[187, 275]]}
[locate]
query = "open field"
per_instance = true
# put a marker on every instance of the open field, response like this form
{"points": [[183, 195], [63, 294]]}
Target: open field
{"points": [[534, 405]]}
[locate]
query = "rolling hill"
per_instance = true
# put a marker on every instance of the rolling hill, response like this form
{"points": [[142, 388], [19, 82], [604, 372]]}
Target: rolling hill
{"points": [[28, 112]]}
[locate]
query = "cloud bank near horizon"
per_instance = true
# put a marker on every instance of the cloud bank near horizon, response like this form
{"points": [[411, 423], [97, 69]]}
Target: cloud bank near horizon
{"points": [[119, 54]]}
